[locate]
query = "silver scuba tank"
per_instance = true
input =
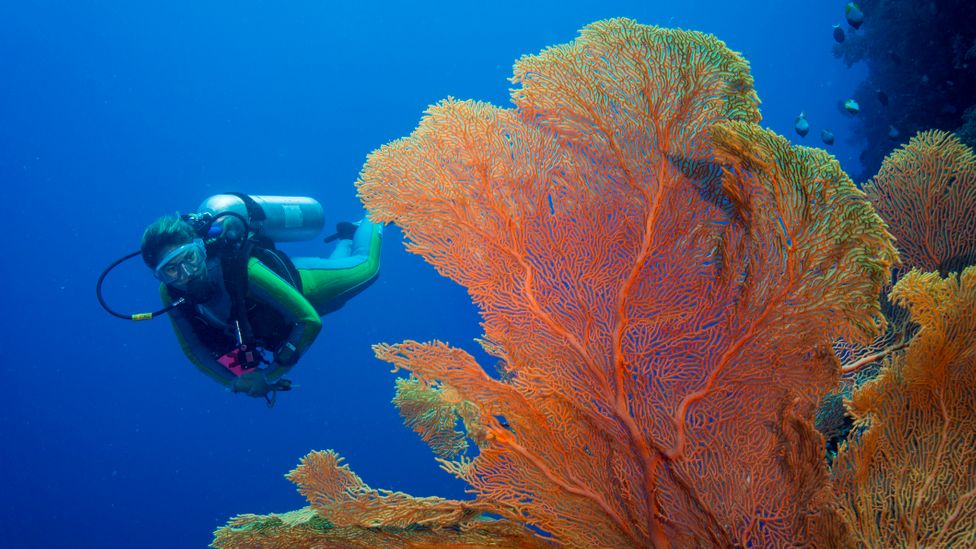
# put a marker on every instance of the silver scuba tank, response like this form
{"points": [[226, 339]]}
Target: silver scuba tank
{"points": [[285, 218]]}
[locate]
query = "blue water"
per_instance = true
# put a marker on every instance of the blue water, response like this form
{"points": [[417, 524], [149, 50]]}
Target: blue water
{"points": [[115, 112]]}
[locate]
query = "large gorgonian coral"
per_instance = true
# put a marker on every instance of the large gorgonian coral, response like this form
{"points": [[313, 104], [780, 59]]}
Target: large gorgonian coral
{"points": [[660, 277], [661, 280]]}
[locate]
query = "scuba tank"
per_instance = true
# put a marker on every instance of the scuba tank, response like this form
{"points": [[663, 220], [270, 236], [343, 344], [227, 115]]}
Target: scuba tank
{"points": [[276, 218]]}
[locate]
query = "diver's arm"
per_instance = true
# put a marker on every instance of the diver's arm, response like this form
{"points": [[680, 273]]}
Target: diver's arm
{"points": [[266, 286], [193, 347]]}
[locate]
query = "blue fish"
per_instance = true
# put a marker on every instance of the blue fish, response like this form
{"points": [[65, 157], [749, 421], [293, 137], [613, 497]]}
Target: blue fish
{"points": [[801, 125], [855, 17], [839, 35]]}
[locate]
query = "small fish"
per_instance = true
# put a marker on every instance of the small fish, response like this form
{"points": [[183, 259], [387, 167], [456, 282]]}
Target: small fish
{"points": [[839, 35], [855, 17], [882, 98], [851, 106], [895, 58], [893, 133], [827, 137], [801, 125]]}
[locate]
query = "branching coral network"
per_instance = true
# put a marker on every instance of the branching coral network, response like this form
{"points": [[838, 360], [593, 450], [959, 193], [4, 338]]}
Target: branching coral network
{"points": [[661, 280]]}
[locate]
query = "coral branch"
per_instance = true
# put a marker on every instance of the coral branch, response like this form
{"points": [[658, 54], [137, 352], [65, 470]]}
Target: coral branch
{"points": [[870, 359]]}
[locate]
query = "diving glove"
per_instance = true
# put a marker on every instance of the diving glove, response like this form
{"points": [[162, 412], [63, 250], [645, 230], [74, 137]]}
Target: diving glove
{"points": [[253, 383], [282, 385]]}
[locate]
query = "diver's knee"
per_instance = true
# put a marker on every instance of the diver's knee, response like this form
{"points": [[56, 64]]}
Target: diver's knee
{"points": [[366, 228]]}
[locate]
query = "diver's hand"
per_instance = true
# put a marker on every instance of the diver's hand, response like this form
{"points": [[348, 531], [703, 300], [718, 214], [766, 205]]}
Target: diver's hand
{"points": [[253, 383], [282, 385]]}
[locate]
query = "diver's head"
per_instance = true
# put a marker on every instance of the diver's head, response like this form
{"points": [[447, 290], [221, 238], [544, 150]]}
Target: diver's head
{"points": [[177, 256]]}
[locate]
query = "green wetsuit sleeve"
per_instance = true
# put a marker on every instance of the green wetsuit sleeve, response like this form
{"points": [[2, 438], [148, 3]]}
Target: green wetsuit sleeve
{"points": [[192, 346], [266, 286]]}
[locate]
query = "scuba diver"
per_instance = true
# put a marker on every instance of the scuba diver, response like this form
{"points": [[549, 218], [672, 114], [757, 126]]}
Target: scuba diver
{"points": [[243, 312]]}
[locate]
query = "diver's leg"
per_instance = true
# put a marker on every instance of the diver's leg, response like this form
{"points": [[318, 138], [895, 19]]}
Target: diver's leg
{"points": [[328, 282], [343, 249], [359, 244], [363, 238]]}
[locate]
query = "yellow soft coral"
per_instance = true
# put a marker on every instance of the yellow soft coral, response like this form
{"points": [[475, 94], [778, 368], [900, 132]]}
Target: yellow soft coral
{"points": [[908, 480]]}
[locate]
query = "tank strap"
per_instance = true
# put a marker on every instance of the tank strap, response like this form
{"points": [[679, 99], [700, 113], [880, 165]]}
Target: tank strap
{"points": [[279, 262], [234, 264], [255, 213]]}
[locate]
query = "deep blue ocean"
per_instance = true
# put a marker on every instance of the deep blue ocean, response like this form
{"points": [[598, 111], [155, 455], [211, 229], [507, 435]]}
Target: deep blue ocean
{"points": [[113, 113]]}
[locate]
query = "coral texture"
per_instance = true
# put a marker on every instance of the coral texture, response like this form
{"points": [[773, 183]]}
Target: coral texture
{"points": [[432, 411], [661, 279], [926, 192], [307, 529], [908, 479], [665, 286], [345, 512]]}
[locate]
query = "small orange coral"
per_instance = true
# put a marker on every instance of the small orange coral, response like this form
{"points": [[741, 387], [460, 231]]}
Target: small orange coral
{"points": [[308, 529], [432, 410], [926, 192], [339, 494]]}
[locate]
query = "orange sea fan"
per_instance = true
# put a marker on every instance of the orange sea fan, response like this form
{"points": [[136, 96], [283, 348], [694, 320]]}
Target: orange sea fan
{"points": [[307, 529], [907, 480], [661, 279], [926, 192]]}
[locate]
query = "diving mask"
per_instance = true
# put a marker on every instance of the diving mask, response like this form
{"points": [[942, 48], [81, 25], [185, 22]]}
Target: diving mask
{"points": [[182, 264]]}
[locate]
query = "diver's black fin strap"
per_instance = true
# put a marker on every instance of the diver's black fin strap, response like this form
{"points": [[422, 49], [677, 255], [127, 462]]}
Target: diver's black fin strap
{"points": [[345, 230]]}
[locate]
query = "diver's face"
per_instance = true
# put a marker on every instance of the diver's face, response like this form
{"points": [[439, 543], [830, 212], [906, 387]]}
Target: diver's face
{"points": [[182, 264]]}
